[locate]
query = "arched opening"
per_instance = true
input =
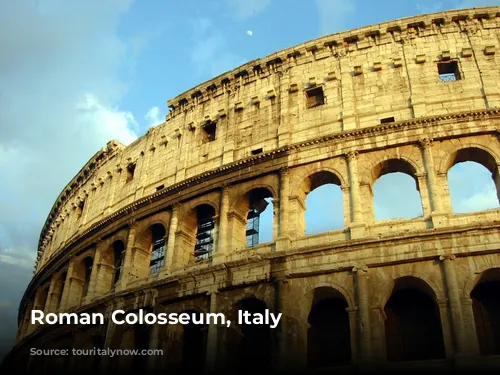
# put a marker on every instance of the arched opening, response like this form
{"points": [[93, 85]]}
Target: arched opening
{"points": [[158, 239], [193, 350], [413, 324], [110, 267], [473, 181], [252, 219], [323, 197], [87, 271], [255, 349], [41, 298], [396, 193], [204, 232], [329, 334], [486, 307]]}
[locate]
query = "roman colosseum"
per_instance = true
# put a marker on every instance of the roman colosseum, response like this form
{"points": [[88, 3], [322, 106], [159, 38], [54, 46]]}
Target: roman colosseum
{"points": [[170, 223]]}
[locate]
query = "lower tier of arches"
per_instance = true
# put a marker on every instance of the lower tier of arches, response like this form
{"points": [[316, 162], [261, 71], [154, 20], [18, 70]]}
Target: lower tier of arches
{"points": [[433, 315]]}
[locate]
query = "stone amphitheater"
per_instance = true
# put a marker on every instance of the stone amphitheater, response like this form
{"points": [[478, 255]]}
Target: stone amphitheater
{"points": [[170, 222]]}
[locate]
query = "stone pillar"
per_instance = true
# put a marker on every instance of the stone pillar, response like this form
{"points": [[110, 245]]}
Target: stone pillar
{"points": [[436, 205], [212, 338], [51, 303], [453, 295], [469, 325], [96, 269], [282, 212], [284, 204], [353, 325], [292, 330], [357, 227], [128, 272], [220, 252], [152, 360], [65, 300], [446, 327], [362, 292], [172, 229], [424, 194]]}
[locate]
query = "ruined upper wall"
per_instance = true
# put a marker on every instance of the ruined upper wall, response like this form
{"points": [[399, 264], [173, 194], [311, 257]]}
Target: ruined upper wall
{"points": [[341, 82]]}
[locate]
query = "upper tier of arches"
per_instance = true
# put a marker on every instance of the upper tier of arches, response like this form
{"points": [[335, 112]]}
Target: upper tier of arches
{"points": [[350, 87]]}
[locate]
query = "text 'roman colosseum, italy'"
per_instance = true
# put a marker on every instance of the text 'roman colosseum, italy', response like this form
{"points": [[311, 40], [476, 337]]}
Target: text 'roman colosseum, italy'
{"points": [[170, 223]]}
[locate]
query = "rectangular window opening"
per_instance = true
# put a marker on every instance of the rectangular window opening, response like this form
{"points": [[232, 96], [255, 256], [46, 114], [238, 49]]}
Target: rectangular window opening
{"points": [[161, 187], [209, 130], [315, 97], [130, 172], [257, 151], [387, 120], [448, 71]]}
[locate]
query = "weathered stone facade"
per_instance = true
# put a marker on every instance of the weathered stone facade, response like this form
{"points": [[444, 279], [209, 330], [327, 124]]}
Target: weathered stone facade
{"points": [[343, 109]]}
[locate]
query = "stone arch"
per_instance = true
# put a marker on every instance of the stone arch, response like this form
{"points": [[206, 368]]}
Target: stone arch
{"points": [[420, 280], [473, 279], [413, 327], [152, 242], [389, 165], [244, 216], [475, 153], [481, 154], [329, 333], [111, 265], [254, 346], [196, 233], [486, 309], [316, 178], [307, 297]]}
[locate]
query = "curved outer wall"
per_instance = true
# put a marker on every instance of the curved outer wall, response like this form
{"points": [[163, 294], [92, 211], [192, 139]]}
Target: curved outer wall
{"points": [[316, 113]]}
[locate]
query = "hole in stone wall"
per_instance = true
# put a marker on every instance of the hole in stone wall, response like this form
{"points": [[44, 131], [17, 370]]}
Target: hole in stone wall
{"points": [[448, 71], [387, 120], [130, 172], [315, 97], [257, 151], [209, 130]]}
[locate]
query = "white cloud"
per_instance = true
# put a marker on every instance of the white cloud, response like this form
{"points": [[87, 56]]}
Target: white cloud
{"points": [[58, 106], [432, 8], [248, 8], [333, 14], [475, 3], [210, 54], [153, 116], [249, 33]]}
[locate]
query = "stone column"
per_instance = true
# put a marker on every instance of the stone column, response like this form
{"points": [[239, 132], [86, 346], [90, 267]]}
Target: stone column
{"points": [[357, 226], [96, 269], [282, 212], [424, 194], [436, 205], [220, 252], [50, 304], [152, 360], [172, 229], [362, 292], [212, 338], [284, 204], [65, 300], [291, 331], [469, 325], [128, 272], [353, 325], [446, 327], [453, 295]]}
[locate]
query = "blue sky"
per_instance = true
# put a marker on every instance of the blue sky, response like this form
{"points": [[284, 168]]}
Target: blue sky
{"points": [[77, 74]]}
